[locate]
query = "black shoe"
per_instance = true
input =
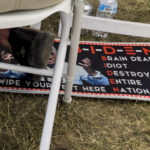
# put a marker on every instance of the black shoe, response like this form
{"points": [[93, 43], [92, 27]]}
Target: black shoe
{"points": [[40, 49], [30, 47], [35, 47]]}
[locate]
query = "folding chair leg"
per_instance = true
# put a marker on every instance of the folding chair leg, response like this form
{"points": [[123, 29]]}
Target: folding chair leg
{"points": [[75, 37], [52, 102]]}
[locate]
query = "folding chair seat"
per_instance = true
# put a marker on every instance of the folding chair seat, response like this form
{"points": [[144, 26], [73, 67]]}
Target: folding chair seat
{"points": [[12, 5], [31, 17]]}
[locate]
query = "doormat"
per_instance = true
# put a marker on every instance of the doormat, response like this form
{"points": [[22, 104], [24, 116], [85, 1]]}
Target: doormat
{"points": [[103, 70]]}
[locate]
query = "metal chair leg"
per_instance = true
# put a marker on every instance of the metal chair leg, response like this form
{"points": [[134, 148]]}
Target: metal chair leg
{"points": [[75, 37], [52, 101]]}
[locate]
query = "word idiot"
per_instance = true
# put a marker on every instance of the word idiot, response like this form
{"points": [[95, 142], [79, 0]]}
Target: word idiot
{"points": [[117, 65]]}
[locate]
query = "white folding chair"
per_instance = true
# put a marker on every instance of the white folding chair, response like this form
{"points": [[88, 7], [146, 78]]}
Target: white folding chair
{"points": [[105, 25], [23, 18]]}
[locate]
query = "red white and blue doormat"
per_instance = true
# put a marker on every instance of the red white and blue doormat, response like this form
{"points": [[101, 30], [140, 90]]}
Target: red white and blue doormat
{"points": [[103, 70]]}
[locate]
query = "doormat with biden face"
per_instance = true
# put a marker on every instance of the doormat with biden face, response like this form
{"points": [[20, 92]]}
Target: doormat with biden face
{"points": [[103, 70]]}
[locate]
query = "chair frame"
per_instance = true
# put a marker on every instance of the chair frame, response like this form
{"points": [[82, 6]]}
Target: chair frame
{"points": [[105, 25], [23, 18]]}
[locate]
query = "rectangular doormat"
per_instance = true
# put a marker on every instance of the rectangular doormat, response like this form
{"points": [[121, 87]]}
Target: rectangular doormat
{"points": [[103, 70]]}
